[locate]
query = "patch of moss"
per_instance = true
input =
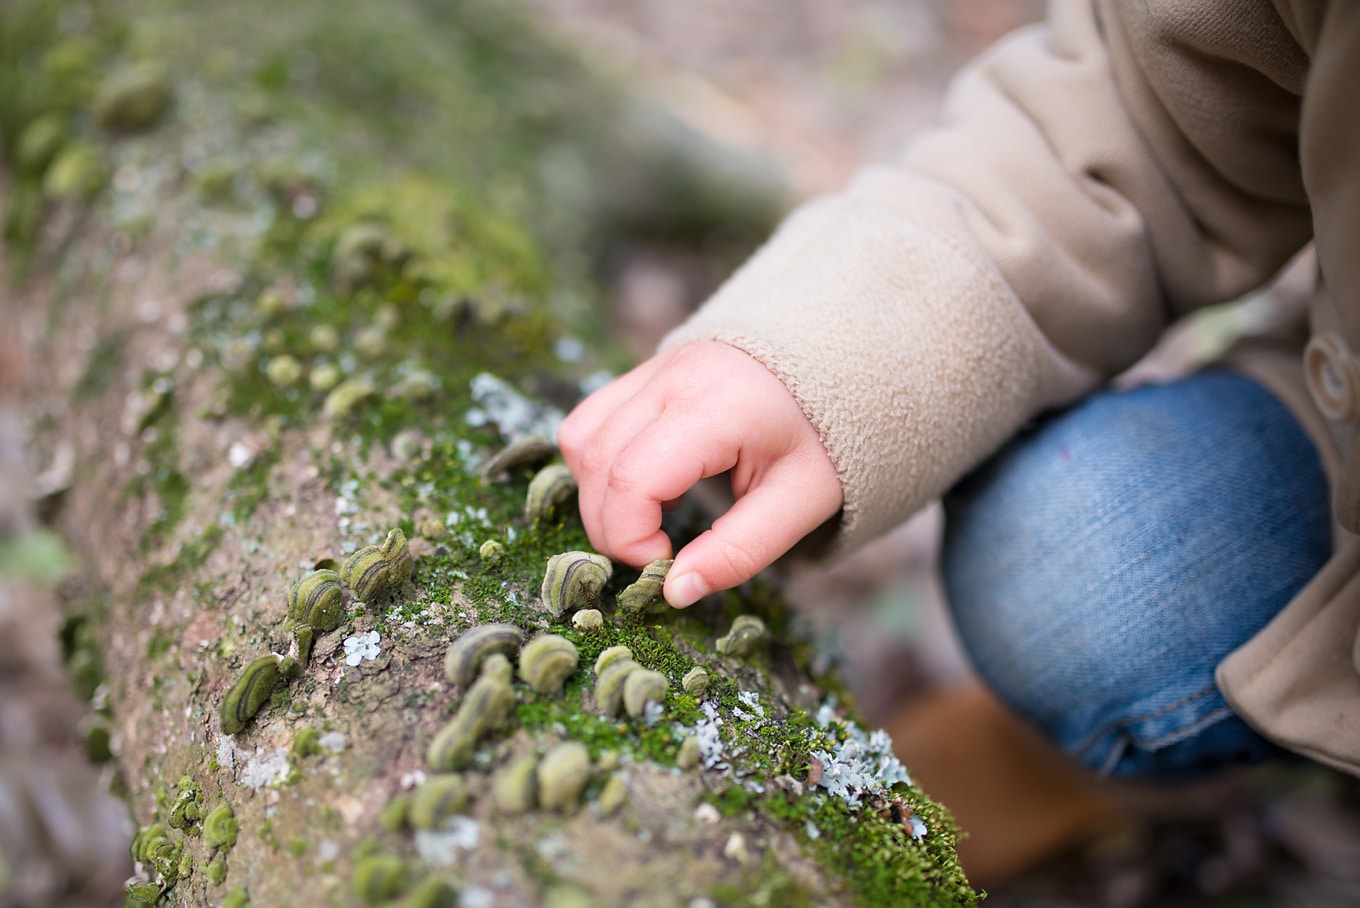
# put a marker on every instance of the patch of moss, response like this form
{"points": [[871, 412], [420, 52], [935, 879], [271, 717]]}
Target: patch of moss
{"points": [[105, 360]]}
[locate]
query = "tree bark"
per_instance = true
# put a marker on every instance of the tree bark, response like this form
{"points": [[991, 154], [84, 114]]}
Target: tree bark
{"points": [[288, 278]]}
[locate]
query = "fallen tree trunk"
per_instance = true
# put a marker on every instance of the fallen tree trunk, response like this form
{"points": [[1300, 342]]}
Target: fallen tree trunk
{"points": [[291, 301]]}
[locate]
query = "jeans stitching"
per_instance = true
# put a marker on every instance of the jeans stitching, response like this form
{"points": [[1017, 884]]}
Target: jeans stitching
{"points": [[1096, 737], [1181, 734]]}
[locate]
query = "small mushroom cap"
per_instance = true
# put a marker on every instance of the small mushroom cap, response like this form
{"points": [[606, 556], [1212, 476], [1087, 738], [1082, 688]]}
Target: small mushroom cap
{"points": [[316, 600], [516, 790], [525, 451], [588, 620], [220, 827], [647, 589], [366, 572], [610, 654], [252, 690], [746, 632], [398, 554], [689, 754], [464, 658], [609, 685], [613, 795], [487, 706], [439, 798], [573, 581], [642, 687], [546, 662], [562, 776], [551, 487], [696, 681], [379, 878]]}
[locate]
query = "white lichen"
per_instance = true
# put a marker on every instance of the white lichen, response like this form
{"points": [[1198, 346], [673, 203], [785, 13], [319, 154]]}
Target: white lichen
{"points": [[264, 768], [477, 897], [855, 765], [708, 731], [332, 742], [362, 648], [440, 847], [513, 414]]}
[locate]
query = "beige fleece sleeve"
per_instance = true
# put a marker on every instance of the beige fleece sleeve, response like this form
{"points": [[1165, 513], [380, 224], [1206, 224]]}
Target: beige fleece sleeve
{"points": [[1092, 179]]}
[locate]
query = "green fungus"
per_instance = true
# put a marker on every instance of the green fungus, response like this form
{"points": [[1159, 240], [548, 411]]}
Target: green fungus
{"points": [[254, 689], [431, 892], [188, 806], [220, 828], [216, 871], [379, 878], [440, 797], [306, 743], [395, 815]]}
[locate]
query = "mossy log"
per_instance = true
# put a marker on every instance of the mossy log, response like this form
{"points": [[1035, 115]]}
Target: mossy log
{"points": [[289, 275]]}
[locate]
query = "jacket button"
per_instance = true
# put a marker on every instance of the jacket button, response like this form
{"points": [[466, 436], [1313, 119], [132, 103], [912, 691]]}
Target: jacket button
{"points": [[1332, 377]]}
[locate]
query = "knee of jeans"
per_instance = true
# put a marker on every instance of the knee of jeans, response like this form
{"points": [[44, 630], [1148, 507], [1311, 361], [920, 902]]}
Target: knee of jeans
{"points": [[1027, 568]]}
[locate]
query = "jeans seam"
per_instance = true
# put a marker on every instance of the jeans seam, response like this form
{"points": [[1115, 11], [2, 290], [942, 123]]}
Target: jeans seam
{"points": [[1181, 734], [1096, 737]]}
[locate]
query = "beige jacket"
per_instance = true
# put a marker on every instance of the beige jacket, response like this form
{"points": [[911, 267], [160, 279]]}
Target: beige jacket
{"points": [[1093, 180]]}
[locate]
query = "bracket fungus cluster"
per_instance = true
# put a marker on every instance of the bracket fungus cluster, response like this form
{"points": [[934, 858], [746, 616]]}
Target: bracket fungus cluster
{"points": [[315, 604]]}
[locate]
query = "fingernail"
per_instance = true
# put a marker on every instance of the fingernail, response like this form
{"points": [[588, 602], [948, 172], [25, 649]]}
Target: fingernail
{"points": [[685, 590]]}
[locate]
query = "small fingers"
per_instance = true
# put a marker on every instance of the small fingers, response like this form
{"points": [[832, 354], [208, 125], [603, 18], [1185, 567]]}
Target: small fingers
{"points": [[657, 467], [764, 524]]}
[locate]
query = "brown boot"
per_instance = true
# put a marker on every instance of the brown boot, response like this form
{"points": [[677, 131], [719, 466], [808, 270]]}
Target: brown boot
{"points": [[1016, 798]]}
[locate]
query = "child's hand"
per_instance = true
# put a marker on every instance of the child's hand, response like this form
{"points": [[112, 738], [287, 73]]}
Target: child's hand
{"points": [[643, 440]]}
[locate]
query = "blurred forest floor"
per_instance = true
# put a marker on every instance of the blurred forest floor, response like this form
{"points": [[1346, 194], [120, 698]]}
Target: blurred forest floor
{"points": [[818, 90]]}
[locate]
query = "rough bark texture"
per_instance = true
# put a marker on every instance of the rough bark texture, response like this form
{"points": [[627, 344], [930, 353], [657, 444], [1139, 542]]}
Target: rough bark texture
{"points": [[289, 276]]}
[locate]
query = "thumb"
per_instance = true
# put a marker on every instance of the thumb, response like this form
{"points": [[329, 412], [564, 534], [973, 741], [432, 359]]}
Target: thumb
{"points": [[762, 525]]}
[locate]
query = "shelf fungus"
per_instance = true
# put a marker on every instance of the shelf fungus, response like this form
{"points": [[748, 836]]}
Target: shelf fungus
{"points": [[440, 797], [687, 757], [609, 684], [492, 552], [695, 681], [379, 878], [562, 776], [746, 633], [546, 662], [613, 795], [254, 688], [379, 571], [220, 828], [466, 654], [516, 790], [588, 620], [645, 592], [609, 655], [525, 451], [643, 687], [430, 892], [486, 707], [551, 487], [315, 605], [573, 581]]}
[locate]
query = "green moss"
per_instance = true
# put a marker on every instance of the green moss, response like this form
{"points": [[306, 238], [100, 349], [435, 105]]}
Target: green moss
{"points": [[106, 359], [236, 898], [249, 486]]}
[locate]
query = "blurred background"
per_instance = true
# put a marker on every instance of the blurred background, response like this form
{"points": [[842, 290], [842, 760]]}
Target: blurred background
{"points": [[790, 97]]}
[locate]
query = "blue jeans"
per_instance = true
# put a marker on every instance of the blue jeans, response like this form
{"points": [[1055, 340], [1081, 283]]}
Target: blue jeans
{"points": [[1102, 564]]}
